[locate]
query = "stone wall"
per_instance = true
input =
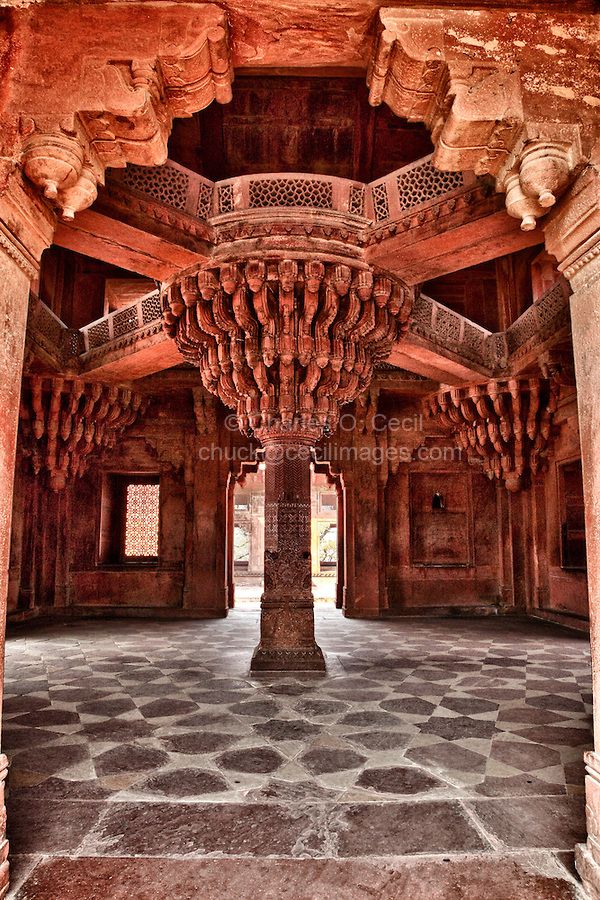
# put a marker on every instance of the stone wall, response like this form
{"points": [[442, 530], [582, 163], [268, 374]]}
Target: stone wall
{"points": [[57, 566], [442, 535], [427, 534], [560, 579]]}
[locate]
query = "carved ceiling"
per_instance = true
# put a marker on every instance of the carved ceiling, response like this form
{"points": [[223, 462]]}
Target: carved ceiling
{"points": [[297, 123]]}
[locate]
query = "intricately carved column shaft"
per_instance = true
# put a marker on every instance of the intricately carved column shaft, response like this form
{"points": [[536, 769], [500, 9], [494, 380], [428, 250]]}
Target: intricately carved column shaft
{"points": [[287, 619], [506, 425], [65, 420], [17, 269], [583, 270]]}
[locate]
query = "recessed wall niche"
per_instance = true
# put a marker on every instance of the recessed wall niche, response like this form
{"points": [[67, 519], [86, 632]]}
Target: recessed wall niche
{"points": [[440, 535]]}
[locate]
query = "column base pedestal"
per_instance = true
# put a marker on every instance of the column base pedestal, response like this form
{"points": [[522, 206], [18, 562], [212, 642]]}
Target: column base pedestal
{"points": [[288, 659]]}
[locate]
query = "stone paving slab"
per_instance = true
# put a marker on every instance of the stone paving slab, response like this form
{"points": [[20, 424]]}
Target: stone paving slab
{"points": [[153, 739]]}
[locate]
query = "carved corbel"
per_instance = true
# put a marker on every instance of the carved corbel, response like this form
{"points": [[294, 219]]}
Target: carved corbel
{"points": [[475, 111], [539, 170], [124, 114], [64, 421], [504, 425], [309, 332], [407, 69]]}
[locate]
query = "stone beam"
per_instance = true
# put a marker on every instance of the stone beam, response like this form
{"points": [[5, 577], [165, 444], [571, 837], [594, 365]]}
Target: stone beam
{"points": [[465, 237], [427, 358], [443, 345], [136, 249], [416, 222], [131, 361]]}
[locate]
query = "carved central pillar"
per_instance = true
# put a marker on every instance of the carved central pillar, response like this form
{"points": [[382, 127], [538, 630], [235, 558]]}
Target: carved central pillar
{"points": [[287, 638], [286, 342]]}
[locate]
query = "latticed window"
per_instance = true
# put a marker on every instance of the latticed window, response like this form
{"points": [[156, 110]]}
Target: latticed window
{"points": [[129, 519], [141, 521]]}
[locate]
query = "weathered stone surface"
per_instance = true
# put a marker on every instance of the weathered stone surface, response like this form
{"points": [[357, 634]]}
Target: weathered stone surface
{"points": [[295, 295], [305, 879]]}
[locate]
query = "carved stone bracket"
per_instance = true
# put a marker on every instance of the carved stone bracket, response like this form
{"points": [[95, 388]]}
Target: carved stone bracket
{"points": [[286, 342], [463, 78], [64, 421], [121, 109], [506, 425]]}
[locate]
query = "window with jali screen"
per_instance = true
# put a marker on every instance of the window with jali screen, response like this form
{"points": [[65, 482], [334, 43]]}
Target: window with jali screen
{"points": [[129, 519], [141, 521]]}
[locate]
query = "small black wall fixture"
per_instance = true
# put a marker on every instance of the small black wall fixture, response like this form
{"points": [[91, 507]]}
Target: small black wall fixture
{"points": [[437, 501]]}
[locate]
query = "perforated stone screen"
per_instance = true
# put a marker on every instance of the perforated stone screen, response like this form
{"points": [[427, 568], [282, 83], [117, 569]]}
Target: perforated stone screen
{"points": [[423, 183], [151, 308], [141, 520], [356, 203], [291, 192], [165, 183], [125, 320], [380, 202], [203, 207], [98, 334]]}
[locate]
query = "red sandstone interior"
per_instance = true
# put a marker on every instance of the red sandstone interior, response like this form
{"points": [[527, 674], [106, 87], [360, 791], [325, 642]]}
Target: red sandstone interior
{"points": [[300, 304]]}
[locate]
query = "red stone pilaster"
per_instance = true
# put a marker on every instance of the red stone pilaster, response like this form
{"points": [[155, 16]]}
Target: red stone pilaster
{"points": [[22, 240], [572, 237]]}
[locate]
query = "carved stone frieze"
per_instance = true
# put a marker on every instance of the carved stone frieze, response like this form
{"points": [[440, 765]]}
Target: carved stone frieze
{"points": [[63, 421], [505, 425], [205, 414]]}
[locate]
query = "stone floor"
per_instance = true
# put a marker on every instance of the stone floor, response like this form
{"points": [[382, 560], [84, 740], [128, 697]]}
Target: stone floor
{"points": [[436, 759]]}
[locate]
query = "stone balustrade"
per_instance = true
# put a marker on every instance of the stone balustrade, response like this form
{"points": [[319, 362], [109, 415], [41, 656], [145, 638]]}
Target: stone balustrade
{"points": [[414, 186], [540, 321], [443, 326], [143, 314], [51, 335], [497, 352]]}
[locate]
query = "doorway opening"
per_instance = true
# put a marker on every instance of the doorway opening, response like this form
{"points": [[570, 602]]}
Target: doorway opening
{"points": [[246, 537], [249, 538]]}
